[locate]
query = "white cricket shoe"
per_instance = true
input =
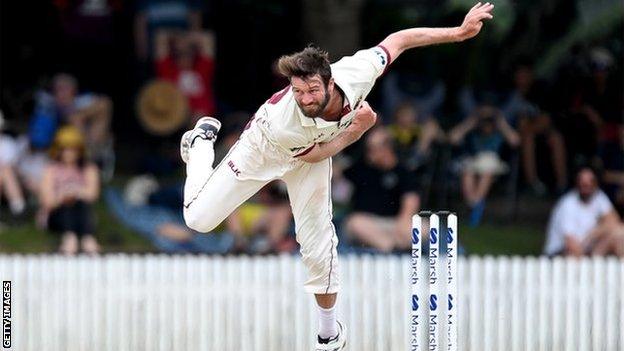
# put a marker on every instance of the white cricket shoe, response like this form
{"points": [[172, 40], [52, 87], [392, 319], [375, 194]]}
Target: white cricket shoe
{"points": [[334, 344], [205, 129]]}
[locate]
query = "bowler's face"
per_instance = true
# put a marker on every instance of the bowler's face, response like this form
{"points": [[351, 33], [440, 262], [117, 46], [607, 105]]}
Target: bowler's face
{"points": [[310, 94]]}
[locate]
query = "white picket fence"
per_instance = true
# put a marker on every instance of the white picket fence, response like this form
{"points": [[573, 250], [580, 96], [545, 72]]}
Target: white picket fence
{"points": [[158, 302]]}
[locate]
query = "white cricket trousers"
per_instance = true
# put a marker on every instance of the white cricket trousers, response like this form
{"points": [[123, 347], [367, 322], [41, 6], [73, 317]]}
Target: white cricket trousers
{"points": [[211, 194]]}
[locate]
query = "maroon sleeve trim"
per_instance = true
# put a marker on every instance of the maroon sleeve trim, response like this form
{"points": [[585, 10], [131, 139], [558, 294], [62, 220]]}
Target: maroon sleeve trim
{"points": [[306, 151], [388, 55]]}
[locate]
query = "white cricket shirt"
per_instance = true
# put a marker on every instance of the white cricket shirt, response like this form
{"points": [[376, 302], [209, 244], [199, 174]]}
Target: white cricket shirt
{"points": [[283, 123], [571, 216]]}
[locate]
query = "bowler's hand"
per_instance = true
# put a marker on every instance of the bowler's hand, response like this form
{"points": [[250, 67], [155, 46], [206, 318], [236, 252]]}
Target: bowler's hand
{"points": [[363, 120], [473, 21]]}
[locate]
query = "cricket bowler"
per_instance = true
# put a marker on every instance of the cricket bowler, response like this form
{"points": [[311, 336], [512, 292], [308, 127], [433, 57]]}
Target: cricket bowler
{"points": [[292, 137]]}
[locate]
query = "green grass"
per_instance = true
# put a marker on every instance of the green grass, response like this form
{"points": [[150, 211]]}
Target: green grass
{"points": [[488, 239], [24, 237], [491, 239]]}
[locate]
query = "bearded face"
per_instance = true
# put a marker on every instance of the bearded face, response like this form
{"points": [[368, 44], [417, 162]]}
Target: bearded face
{"points": [[311, 94]]}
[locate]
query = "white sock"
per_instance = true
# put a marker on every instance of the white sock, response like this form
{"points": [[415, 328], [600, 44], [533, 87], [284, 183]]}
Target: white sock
{"points": [[328, 328]]}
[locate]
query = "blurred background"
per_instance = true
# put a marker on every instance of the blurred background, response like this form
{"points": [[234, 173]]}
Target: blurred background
{"points": [[520, 130]]}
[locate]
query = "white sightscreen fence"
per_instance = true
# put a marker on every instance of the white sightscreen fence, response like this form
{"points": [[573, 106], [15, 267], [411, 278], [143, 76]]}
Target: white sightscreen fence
{"points": [[158, 302]]}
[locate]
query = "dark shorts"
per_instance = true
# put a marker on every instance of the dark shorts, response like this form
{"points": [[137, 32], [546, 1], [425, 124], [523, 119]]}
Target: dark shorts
{"points": [[76, 217]]}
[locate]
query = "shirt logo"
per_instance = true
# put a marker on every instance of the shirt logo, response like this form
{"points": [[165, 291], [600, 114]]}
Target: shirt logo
{"points": [[382, 56], [234, 168], [297, 149]]}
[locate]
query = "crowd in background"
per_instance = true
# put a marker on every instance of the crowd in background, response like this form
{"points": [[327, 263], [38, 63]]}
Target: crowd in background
{"points": [[559, 137]]}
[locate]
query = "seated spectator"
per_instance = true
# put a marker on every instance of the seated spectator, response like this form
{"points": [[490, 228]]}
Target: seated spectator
{"points": [[426, 94], [187, 60], [612, 160], [584, 222], [589, 108], [31, 167], [9, 184], [384, 197], [413, 134], [90, 113], [524, 108], [27, 165], [154, 15], [155, 212], [483, 134], [263, 226], [70, 186]]}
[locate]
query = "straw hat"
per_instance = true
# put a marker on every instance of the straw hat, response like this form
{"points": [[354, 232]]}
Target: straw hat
{"points": [[67, 137], [161, 107]]}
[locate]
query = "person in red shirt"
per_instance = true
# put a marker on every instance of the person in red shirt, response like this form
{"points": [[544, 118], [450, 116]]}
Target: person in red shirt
{"points": [[187, 60]]}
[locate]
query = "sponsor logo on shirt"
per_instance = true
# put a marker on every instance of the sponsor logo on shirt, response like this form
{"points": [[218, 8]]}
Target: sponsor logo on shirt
{"points": [[381, 55], [297, 149], [234, 168]]}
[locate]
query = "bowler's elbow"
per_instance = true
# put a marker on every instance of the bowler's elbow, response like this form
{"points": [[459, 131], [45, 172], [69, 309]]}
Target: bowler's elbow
{"points": [[395, 43]]}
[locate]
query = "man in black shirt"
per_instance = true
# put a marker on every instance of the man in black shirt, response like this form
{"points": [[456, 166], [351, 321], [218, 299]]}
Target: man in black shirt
{"points": [[384, 197]]}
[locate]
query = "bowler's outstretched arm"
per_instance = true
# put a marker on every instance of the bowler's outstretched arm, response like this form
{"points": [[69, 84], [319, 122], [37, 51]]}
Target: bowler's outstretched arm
{"points": [[397, 42]]}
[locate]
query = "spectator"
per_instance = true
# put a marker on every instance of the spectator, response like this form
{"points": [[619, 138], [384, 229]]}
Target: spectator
{"points": [[70, 186], [31, 167], [426, 95], [524, 108], [584, 222], [89, 31], [413, 134], [155, 212], [612, 159], [9, 183], [153, 15], [603, 93], [258, 227], [90, 113], [589, 108], [384, 197], [263, 226], [26, 165], [483, 134], [187, 60]]}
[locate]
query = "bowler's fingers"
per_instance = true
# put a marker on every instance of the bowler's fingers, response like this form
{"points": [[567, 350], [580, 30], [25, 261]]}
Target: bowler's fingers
{"points": [[484, 15], [484, 12], [487, 7]]}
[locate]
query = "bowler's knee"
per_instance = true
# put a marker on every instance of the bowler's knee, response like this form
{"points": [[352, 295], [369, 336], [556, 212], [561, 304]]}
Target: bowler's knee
{"points": [[318, 264], [201, 221]]}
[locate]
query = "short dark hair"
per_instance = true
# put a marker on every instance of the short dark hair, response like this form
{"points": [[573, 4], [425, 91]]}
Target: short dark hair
{"points": [[306, 63]]}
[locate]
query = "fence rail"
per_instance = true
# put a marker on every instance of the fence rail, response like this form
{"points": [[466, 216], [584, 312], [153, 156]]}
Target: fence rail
{"points": [[158, 302]]}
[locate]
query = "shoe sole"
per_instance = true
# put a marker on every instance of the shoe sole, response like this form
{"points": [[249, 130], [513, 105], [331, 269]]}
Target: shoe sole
{"points": [[206, 119], [184, 146], [210, 120]]}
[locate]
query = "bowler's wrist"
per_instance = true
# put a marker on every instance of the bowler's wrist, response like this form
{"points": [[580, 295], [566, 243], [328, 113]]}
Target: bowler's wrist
{"points": [[457, 34]]}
